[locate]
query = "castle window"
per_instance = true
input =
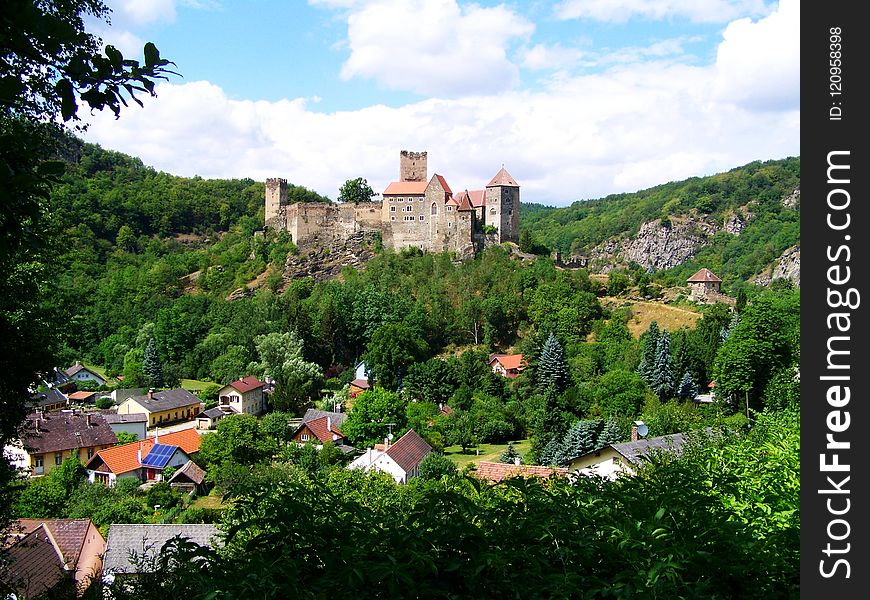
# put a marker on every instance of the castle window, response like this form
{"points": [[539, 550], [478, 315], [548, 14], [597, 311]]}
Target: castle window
{"points": [[434, 209], [392, 209], [450, 225], [492, 211], [392, 218], [449, 209], [420, 198], [401, 199], [421, 217]]}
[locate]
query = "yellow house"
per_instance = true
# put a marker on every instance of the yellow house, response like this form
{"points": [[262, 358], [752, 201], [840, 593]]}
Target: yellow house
{"points": [[623, 459], [51, 438], [164, 407]]}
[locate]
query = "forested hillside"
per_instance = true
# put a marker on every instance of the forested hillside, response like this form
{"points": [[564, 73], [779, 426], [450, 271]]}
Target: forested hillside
{"points": [[755, 192]]}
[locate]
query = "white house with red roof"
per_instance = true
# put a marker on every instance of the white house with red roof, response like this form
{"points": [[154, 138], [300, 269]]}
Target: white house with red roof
{"points": [[145, 459], [507, 365], [244, 396], [401, 460]]}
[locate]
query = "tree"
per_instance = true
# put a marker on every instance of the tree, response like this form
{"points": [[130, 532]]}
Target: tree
{"points": [[296, 380], [126, 239], [356, 191], [579, 440], [125, 437], [510, 455], [552, 371], [662, 379], [650, 341], [431, 381], [152, 368], [620, 393], [688, 388], [610, 434], [435, 466], [238, 439], [391, 351], [367, 422]]}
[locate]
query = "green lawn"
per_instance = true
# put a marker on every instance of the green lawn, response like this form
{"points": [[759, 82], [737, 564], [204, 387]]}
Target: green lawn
{"points": [[194, 385], [490, 452], [213, 501]]}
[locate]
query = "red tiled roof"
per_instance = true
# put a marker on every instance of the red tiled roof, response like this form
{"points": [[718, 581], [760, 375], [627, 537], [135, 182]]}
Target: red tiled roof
{"points": [[508, 361], [81, 395], [35, 564], [503, 178], [125, 458], [465, 203], [361, 383], [703, 276], [451, 201], [68, 534], [476, 197], [398, 188], [409, 450], [324, 429], [443, 183], [247, 384], [493, 471]]}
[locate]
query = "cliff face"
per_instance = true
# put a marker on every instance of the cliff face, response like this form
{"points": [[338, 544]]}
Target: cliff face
{"points": [[659, 245]]}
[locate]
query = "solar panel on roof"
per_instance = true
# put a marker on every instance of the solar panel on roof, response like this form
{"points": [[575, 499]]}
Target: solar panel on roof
{"points": [[159, 456]]}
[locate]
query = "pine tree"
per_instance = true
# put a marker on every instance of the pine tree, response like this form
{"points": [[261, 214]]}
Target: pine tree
{"points": [[510, 455], [151, 365], [609, 434], [552, 366], [579, 440], [649, 352], [688, 387], [663, 380], [552, 452]]}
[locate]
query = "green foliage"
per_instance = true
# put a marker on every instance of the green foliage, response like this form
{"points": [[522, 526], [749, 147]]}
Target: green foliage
{"points": [[366, 424], [125, 437], [237, 440], [552, 369], [296, 379], [435, 466], [434, 381], [662, 380], [356, 191], [394, 347], [104, 402], [620, 393], [610, 434], [152, 368]]}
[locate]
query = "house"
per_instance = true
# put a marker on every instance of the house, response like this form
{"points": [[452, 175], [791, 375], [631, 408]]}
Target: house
{"points": [[132, 549], [318, 431], [616, 459], [704, 286], [48, 400], [189, 478], [207, 419], [244, 396], [50, 438], [401, 460], [144, 459], [495, 471], [507, 365], [358, 386], [79, 372], [163, 407], [134, 423], [83, 397], [360, 371], [61, 556]]}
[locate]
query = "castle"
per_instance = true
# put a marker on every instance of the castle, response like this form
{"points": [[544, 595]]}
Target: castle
{"points": [[415, 212]]}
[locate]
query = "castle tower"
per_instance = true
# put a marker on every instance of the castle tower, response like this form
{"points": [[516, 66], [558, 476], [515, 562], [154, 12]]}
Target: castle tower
{"points": [[276, 197], [502, 207], [412, 166]]}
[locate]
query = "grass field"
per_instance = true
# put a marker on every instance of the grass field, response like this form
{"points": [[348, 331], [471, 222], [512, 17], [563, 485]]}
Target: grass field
{"points": [[210, 501], [489, 452], [644, 313]]}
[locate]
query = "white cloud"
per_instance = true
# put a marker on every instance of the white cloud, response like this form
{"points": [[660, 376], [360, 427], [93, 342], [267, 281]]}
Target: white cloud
{"points": [[543, 56], [758, 63], [700, 11], [632, 127], [434, 46], [141, 12]]}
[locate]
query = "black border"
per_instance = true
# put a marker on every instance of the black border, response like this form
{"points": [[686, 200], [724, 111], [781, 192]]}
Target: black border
{"points": [[819, 136]]}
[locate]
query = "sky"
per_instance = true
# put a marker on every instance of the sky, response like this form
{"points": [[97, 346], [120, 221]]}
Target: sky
{"points": [[577, 99]]}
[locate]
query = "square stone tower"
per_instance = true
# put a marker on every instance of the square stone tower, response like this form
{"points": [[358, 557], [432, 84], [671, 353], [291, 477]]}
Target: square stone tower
{"points": [[276, 197], [502, 207], [412, 166]]}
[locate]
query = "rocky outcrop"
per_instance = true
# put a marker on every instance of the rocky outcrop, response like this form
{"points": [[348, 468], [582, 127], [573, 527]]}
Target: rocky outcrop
{"points": [[787, 267], [792, 201], [656, 245], [326, 262]]}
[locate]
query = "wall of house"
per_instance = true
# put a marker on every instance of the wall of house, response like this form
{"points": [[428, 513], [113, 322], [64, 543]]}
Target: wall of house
{"points": [[159, 417], [137, 428], [607, 463], [49, 458], [250, 402], [90, 557]]}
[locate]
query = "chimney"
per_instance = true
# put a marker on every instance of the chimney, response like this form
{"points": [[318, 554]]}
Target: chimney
{"points": [[139, 454], [150, 393], [328, 423], [517, 460], [156, 435], [386, 443], [88, 418], [634, 433], [37, 424]]}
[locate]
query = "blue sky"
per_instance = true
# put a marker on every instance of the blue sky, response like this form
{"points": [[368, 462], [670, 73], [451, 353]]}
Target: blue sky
{"points": [[577, 98]]}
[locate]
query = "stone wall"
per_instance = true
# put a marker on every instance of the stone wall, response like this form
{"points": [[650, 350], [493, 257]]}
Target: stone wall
{"points": [[413, 166]]}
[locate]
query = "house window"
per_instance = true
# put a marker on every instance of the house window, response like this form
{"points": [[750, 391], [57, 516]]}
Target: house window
{"points": [[38, 461], [58, 458], [90, 452], [305, 437]]}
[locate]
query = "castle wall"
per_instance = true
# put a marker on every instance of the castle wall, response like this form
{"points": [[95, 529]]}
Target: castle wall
{"points": [[276, 197]]}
